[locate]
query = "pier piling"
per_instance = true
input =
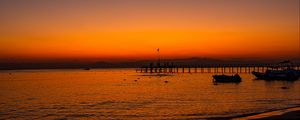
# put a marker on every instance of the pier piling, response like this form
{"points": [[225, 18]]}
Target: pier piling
{"points": [[166, 68]]}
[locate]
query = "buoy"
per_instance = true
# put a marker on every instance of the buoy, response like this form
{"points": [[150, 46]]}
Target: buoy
{"points": [[284, 88]]}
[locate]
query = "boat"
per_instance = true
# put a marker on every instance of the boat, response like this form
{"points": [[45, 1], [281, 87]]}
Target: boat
{"points": [[283, 71], [290, 74], [87, 69], [227, 78]]}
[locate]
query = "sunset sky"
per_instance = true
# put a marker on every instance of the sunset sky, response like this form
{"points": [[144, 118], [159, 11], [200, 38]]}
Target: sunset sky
{"points": [[134, 29]]}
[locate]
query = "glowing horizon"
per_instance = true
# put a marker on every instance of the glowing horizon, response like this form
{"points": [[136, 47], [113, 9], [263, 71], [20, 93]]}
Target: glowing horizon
{"points": [[133, 29]]}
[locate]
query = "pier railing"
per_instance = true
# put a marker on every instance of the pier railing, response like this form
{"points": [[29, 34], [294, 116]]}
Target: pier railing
{"points": [[210, 68]]}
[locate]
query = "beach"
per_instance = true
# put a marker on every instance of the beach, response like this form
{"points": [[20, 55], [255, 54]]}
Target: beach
{"points": [[284, 114], [295, 115]]}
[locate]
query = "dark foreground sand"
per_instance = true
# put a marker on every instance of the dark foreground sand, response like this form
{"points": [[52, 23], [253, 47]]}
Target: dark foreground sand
{"points": [[294, 115], [285, 114]]}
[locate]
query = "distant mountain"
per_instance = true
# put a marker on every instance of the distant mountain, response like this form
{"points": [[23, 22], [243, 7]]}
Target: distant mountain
{"points": [[130, 64], [212, 61]]}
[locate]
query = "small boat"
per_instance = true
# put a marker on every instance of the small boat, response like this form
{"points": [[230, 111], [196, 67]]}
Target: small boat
{"points": [[283, 71], [277, 75], [226, 78], [87, 69]]}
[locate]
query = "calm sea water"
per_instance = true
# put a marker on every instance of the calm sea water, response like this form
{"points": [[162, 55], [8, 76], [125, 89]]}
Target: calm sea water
{"points": [[114, 94]]}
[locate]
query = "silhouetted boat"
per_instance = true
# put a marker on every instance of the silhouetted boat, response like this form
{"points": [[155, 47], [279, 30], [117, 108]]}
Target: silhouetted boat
{"points": [[283, 72], [277, 75], [227, 78], [87, 69]]}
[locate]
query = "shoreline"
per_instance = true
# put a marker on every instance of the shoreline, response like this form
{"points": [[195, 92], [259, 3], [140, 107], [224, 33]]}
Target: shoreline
{"points": [[277, 114], [292, 113]]}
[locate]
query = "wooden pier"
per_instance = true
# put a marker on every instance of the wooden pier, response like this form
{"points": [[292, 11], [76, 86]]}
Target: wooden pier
{"points": [[209, 68]]}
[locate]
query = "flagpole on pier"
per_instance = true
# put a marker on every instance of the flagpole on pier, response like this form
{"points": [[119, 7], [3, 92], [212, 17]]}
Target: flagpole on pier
{"points": [[158, 55]]}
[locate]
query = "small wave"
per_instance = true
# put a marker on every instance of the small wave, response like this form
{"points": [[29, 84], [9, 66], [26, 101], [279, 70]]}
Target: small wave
{"points": [[80, 115], [270, 101], [64, 118], [120, 105], [191, 114], [31, 99]]}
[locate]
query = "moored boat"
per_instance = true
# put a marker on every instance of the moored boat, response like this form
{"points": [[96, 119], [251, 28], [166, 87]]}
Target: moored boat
{"points": [[277, 75], [227, 78], [283, 71], [87, 69]]}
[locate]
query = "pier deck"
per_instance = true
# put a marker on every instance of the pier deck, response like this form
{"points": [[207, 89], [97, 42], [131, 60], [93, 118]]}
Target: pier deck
{"points": [[209, 68]]}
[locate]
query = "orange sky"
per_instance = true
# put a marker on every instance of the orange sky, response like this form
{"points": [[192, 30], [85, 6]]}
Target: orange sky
{"points": [[134, 29]]}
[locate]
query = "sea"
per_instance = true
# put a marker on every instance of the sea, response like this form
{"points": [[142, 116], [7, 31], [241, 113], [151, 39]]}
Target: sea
{"points": [[113, 94]]}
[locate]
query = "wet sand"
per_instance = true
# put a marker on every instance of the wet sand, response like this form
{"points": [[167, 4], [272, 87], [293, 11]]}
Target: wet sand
{"points": [[294, 115], [285, 114]]}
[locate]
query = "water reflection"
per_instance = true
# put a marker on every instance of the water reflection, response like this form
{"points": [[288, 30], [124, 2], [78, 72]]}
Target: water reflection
{"points": [[114, 94]]}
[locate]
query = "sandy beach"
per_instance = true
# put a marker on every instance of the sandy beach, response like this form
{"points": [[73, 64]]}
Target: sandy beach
{"points": [[294, 115], [285, 114]]}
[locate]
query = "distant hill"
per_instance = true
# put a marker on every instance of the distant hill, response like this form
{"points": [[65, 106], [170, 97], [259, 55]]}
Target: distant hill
{"points": [[129, 64]]}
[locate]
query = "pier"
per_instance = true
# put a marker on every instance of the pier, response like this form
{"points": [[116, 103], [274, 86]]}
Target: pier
{"points": [[209, 68]]}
